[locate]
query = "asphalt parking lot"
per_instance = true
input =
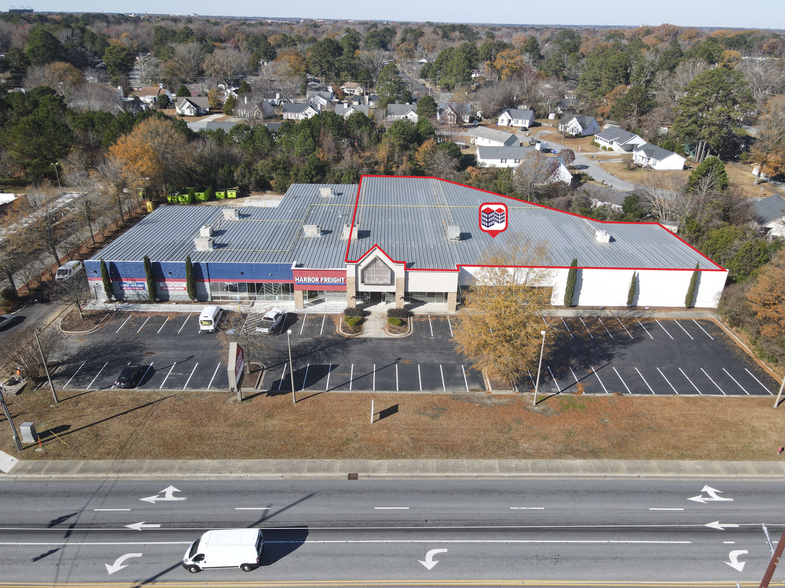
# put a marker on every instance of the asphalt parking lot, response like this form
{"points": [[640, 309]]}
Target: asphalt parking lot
{"points": [[592, 355]]}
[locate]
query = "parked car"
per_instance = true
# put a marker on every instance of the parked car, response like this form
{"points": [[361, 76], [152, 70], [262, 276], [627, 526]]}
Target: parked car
{"points": [[272, 320], [533, 142], [6, 320], [130, 377]]}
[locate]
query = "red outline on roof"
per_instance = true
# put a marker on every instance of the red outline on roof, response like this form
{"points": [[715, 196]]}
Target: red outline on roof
{"points": [[459, 266]]}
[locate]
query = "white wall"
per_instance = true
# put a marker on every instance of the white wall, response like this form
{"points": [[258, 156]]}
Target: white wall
{"points": [[424, 281]]}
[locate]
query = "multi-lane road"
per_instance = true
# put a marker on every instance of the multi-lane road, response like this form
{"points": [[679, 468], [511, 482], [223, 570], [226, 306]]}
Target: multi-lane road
{"points": [[375, 532]]}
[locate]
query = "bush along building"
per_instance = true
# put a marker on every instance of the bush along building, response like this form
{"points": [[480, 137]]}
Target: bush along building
{"points": [[399, 240]]}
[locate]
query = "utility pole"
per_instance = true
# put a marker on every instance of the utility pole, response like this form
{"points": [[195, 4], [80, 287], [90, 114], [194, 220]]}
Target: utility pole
{"points": [[10, 421], [46, 367]]}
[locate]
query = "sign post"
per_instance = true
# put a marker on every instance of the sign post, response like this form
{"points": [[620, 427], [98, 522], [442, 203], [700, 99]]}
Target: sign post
{"points": [[234, 369]]}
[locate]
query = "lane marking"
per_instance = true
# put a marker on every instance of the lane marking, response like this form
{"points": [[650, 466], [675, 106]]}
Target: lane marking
{"points": [[531, 378], [189, 377], [465, 381], [145, 374], [606, 328], [666, 379], [585, 327], [574, 376], [167, 376], [625, 328], [374, 377], [622, 381], [737, 383], [444, 388], [283, 375], [396, 378], [102, 369], [121, 326], [322, 329], [683, 329], [305, 318], [419, 376], [430, 324], [565, 326], [713, 382], [471, 541], [305, 378], [143, 324], [543, 320], [527, 508], [391, 508], [645, 329], [211, 379], [729, 543], [690, 381], [664, 329], [110, 509], [329, 369], [181, 326], [598, 378], [759, 382], [665, 508], [449, 324], [351, 376], [162, 326], [554, 380], [252, 508], [644, 380], [72, 377], [702, 329]]}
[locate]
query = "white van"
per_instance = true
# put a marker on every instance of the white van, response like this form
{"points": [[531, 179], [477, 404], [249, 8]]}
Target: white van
{"points": [[208, 320], [225, 548], [68, 270]]}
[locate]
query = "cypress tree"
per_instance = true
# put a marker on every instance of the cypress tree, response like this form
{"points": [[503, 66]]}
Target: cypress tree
{"points": [[106, 281], [633, 287], [689, 300], [148, 272], [572, 278], [190, 283]]}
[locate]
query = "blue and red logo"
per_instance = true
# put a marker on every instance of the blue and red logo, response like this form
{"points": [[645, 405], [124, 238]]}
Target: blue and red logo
{"points": [[493, 218]]}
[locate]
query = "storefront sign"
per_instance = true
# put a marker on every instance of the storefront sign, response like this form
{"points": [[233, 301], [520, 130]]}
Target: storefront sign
{"points": [[320, 280], [133, 285], [172, 286]]}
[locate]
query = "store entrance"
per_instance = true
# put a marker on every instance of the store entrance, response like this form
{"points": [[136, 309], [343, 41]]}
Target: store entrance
{"points": [[376, 298]]}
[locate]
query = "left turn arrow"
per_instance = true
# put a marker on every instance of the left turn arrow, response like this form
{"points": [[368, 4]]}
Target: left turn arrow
{"points": [[118, 563]]}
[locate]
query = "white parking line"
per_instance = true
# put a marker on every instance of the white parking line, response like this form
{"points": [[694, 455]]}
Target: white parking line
{"points": [[189, 377], [531, 378], [374, 377], [663, 328], [449, 324], [645, 329], [444, 388], [396, 377], [465, 381], [598, 377], [690, 381], [322, 329], [574, 376], [713, 382], [625, 328], [622, 381], [211, 379], [554, 380], [145, 374], [72, 377], [329, 369], [585, 327], [102, 369], [305, 378], [683, 329], [644, 380], [143, 324], [121, 326], [167, 376], [283, 375], [419, 376], [606, 328], [162, 326], [351, 376], [181, 326], [305, 317], [431, 325], [759, 382], [546, 322], [734, 379], [666, 379], [702, 329], [565, 326]]}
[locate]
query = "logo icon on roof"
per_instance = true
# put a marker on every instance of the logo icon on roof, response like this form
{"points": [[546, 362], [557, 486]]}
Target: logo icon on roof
{"points": [[493, 218]]}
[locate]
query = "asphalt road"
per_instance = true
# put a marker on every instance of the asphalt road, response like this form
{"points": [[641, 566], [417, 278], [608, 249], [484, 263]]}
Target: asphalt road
{"points": [[379, 532]]}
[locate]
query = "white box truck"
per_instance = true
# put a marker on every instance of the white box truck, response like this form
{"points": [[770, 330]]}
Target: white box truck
{"points": [[225, 548], [208, 319]]}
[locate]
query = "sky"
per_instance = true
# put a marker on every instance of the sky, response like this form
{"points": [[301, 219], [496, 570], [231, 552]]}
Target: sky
{"points": [[758, 14]]}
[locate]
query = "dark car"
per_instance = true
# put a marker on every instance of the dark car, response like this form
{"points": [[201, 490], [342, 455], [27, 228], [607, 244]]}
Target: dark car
{"points": [[130, 377]]}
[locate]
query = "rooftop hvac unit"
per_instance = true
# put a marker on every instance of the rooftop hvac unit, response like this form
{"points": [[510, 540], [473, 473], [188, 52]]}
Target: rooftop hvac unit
{"points": [[602, 236], [345, 232], [206, 231], [204, 243], [453, 233], [327, 192], [231, 214], [312, 230]]}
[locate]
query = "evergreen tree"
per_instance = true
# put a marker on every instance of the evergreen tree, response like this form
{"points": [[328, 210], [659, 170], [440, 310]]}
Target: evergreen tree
{"points": [[148, 272], [572, 279], [106, 281], [633, 288], [689, 300], [190, 283]]}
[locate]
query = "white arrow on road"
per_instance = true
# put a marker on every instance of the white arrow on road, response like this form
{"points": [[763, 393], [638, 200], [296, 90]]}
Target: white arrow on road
{"points": [[118, 563], [712, 496], [168, 495], [429, 563], [143, 525], [716, 525], [734, 559]]}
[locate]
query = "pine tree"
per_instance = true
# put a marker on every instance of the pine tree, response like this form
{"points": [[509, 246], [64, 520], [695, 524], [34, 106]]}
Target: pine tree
{"points": [[190, 283], [148, 272], [106, 281], [572, 278], [689, 300], [633, 288]]}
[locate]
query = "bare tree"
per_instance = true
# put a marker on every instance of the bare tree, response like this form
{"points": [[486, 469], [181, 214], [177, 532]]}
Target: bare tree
{"points": [[373, 61], [494, 97], [73, 292], [670, 86], [94, 97], [766, 78], [442, 165], [46, 219], [665, 196], [110, 184], [226, 64], [187, 61], [534, 171], [23, 349], [150, 68]]}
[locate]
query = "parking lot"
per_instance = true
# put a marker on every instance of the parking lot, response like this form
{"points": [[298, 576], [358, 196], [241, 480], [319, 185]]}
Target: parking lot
{"points": [[591, 355]]}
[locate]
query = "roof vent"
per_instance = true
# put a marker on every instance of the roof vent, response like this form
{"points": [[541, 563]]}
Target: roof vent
{"points": [[312, 230], [204, 243], [326, 192], [453, 233], [206, 231], [602, 236], [345, 232], [231, 214]]}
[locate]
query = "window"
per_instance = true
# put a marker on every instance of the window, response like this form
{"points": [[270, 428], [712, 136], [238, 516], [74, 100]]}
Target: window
{"points": [[504, 161], [516, 161], [377, 272]]}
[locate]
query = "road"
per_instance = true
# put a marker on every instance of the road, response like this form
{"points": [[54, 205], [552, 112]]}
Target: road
{"points": [[378, 532]]}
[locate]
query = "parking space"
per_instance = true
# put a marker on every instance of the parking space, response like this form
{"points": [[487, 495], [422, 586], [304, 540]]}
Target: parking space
{"points": [[432, 327]]}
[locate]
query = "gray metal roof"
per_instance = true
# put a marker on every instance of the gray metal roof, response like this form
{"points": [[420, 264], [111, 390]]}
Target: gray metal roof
{"points": [[769, 209], [518, 113], [400, 109], [212, 125], [502, 152], [402, 217], [583, 120], [655, 152], [494, 135], [616, 134], [296, 107]]}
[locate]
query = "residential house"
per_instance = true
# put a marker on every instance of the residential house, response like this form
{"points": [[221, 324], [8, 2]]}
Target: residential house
{"points": [[319, 99], [617, 139], [501, 156], [483, 136], [212, 125], [770, 214], [149, 95], [347, 110], [452, 114], [566, 104], [648, 155], [515, 117], [250, 110], [298, 111], [400, 111], [579, 125], [192, 106], [352, 89]]}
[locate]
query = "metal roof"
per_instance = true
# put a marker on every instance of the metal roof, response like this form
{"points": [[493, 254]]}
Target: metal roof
{"points": [[617, 135], [769, 209], [494, 135], [514, 152], [405, 218]]}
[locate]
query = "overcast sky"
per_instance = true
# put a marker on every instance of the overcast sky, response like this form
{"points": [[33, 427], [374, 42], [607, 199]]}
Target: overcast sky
{"points": [[768, 14]]}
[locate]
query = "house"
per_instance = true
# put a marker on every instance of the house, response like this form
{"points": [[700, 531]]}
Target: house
{"points": [[192, 106], [347, 110], [483, 136], [579, 125], [352, 89], [770, 214], [250, 110], [319, 99], [298, 111], [212, 125], [150, 94], [501, 156], [515, 117], [648, 155], [617, 139], [399, 111], [566, 104], [452, 114]]}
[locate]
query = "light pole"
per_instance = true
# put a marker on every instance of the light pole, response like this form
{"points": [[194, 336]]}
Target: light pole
{"points": [[291, 366], [46, 367], [539, 367]]}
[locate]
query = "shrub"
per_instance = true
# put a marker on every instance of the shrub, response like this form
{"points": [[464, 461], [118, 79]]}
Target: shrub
{"points": [[8, 294], [353, 312], [572, 278], [398, 313], [689, 299], [354, 321], [394, 322]]}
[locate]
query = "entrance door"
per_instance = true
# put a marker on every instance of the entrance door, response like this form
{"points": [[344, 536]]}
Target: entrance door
{"points": [[376, 297]]}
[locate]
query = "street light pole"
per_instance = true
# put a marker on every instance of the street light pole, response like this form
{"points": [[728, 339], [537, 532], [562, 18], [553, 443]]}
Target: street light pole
{"points": [[291, 366], [539, 367], [10, 422], [46, 368]]}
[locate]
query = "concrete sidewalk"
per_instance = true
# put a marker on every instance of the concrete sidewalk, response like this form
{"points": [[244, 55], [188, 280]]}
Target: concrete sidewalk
{"points": [[413, 468]]}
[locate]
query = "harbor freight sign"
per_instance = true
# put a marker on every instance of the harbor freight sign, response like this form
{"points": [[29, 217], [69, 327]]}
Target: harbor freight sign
{"points": [[319, 279]]}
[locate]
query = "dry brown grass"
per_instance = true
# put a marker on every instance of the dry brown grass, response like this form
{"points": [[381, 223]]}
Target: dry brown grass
{"points": [[742, 177], [116, 424], [639, 176]]}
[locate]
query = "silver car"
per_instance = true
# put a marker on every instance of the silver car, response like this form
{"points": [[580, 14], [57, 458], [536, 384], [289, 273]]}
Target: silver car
{"points": [[6, 320], [272, 320]]}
